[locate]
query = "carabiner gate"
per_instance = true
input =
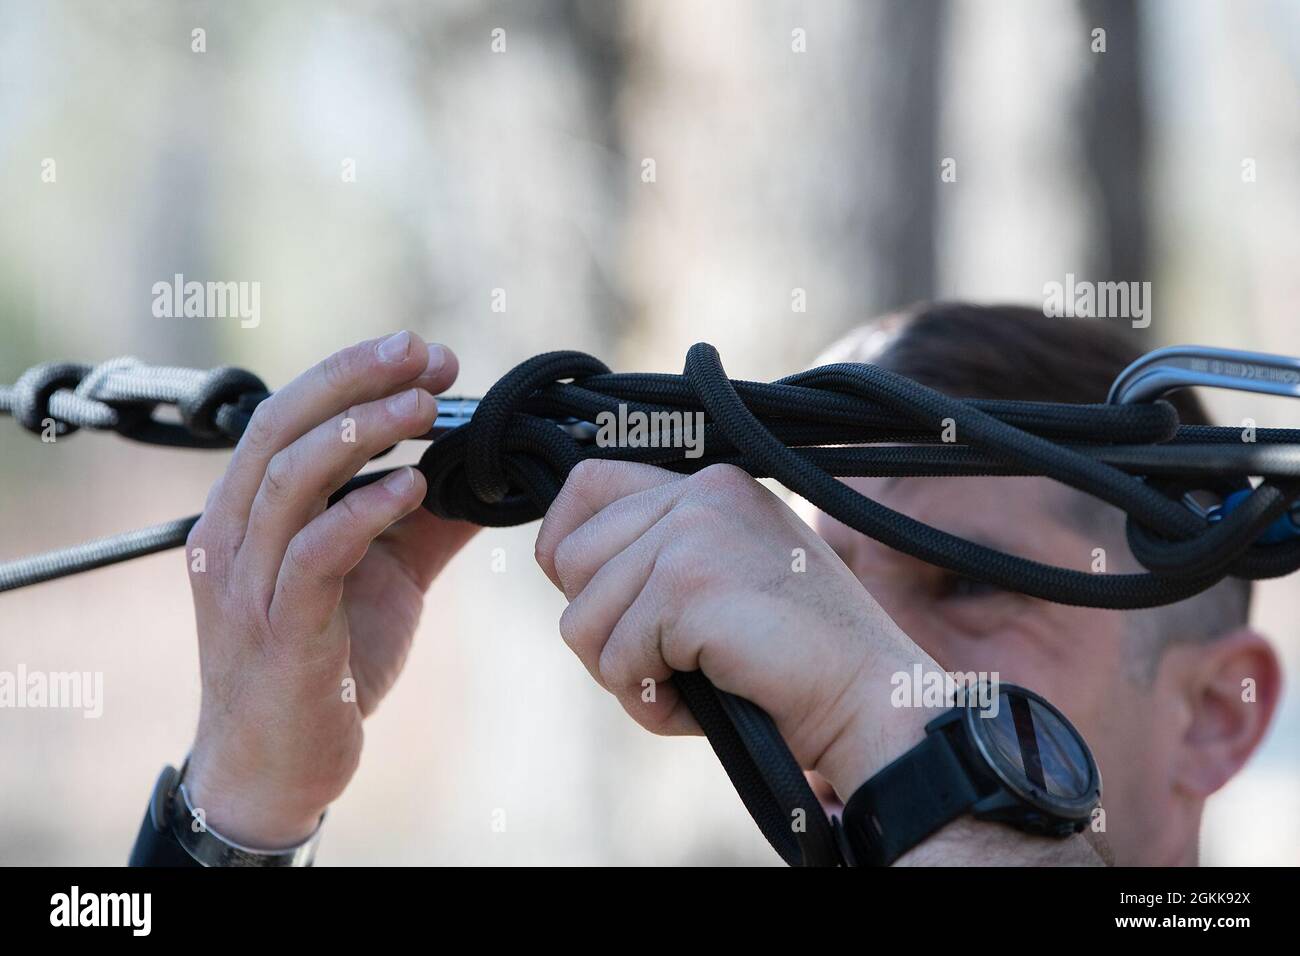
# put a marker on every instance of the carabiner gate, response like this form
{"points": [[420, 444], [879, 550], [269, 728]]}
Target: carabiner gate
{"points": [[1184, 366]]}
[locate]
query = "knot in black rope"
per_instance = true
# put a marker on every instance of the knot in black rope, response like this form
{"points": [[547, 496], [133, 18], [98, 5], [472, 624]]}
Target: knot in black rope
{"points": [[508, 463]]}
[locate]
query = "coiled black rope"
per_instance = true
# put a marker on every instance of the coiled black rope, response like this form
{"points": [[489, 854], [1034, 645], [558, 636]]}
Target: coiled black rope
{"points": [[508, 463]]}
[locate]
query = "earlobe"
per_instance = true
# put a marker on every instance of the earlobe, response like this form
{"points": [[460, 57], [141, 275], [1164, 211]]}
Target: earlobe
{"points": [[1233, 685]]}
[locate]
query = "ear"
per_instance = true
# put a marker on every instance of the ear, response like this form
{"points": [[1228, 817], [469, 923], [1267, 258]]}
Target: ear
{"points": [[1231, 686]]}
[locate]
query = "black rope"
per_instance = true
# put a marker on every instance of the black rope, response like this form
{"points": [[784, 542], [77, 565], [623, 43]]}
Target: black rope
{"points": [[1118, 453], [507, 465]]}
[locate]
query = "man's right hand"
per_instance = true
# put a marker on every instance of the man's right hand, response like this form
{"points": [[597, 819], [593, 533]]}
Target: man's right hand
{"points": [[305, 614]]}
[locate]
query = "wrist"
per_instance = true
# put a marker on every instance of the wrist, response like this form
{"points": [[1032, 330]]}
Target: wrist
{"points": [[249, 815], [875, 731]]}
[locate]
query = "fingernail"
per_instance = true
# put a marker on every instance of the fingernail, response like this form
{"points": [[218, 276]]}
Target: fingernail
{"points": [[404, 403], [437, 359], [400, 480], [395, 347]]}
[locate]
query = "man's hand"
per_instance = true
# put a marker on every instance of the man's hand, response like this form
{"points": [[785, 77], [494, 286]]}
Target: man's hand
{"points": [[714, 572], [305, 614]]}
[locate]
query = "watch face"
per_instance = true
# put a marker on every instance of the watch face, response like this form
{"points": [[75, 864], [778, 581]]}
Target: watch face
{"points": [[1036, 751]]}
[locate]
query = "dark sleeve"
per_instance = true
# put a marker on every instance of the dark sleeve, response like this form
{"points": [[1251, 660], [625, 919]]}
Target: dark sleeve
{"points": [[154, 844]]}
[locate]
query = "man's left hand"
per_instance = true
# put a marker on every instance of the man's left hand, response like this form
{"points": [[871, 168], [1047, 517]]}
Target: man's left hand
{"points": [[714, 572]]}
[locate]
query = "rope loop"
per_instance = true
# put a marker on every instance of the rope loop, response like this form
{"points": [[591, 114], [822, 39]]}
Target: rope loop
{"points": [[200, 409], [122, 394], [34, 389], [485, 454]]}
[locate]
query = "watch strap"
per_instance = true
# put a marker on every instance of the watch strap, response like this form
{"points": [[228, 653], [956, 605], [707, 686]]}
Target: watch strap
{"points": [[907, 801], [154, 844]]}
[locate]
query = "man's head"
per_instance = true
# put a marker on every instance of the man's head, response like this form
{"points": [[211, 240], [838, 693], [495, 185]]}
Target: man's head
{"points": [[1158, 692]]}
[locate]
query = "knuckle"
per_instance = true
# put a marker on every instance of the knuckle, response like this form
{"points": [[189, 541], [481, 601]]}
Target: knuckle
{"points": [[692, 518], [349, 512], [723, 478], [277, 482], [612, 665], [571, 628], [297, 558], [542, 551], [566, 561], [336, 369], [354, 414], [262, 427], [591, 473], [303, 558]]}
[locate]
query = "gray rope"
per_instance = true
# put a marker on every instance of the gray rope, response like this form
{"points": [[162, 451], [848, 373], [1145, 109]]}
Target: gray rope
{"points": [[122, 395], [94, 554]]}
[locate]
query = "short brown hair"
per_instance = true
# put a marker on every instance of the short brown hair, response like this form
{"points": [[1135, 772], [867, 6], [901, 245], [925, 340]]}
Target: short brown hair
{"points": [[1018, 353], [1004, 351]]}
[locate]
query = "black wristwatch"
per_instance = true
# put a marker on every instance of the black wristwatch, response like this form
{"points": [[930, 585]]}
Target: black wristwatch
{"points": [[1003, 754]]}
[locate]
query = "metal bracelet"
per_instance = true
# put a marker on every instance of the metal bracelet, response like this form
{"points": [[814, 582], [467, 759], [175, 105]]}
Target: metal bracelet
{"points": [[210, 848]]}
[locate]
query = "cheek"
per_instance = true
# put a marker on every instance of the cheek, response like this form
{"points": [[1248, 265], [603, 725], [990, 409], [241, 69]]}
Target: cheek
{"points": [[1125, 738], [1072, 656], [1081, 668]]}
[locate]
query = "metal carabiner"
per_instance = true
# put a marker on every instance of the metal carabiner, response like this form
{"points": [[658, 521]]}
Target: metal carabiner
{"points": [[454, 411], [1184, 366]]}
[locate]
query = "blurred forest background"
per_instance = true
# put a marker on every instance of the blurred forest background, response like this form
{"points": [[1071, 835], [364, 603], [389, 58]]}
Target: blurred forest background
{"points": [[795, 146]]}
